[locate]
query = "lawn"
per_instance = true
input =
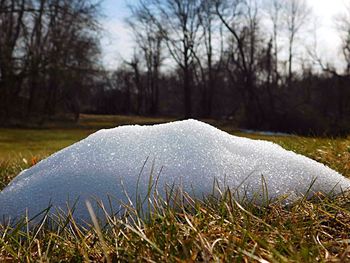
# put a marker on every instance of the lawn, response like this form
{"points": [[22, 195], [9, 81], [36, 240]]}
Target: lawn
{"points": [[40, 142], [213, 230]]}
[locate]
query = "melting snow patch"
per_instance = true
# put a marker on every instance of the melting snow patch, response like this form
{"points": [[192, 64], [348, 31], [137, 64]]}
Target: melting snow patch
{"points": [[187, 154]]}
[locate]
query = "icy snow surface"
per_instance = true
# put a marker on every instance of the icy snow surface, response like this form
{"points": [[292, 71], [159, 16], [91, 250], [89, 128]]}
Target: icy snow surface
{"points": [[188, 154]]}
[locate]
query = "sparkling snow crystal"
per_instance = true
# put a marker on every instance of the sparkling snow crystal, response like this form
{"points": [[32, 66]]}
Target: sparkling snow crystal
{"points": [[188, 154]]}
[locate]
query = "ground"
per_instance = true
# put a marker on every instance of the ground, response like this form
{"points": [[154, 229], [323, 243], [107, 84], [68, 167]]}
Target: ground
{"points": [[316, 230]]}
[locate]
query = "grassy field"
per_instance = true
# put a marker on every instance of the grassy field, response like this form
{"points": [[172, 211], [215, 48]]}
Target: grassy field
{"points": [[210, 230]]}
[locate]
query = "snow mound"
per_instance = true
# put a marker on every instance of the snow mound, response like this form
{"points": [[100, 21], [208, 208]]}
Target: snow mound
{"points": [[188, 154]]}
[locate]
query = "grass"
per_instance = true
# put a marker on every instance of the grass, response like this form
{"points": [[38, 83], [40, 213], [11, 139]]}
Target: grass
{"points": [[216, 229], [212, 230], [19, 143]]}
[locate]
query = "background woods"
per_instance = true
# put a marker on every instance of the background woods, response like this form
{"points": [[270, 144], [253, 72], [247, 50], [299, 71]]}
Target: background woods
{"points": [[241, 60], [48, 52]]}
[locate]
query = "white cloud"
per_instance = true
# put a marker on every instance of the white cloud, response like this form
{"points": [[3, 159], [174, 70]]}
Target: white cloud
{"points": [[117, 42], [328, 39]]}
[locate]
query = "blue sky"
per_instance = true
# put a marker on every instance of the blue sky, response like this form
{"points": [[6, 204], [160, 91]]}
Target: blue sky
{"points": [[116, 8], [117, 43], [116, 40]]}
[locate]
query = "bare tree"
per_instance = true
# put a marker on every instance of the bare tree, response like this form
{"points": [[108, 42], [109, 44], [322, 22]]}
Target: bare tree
{"points": [[208, 22], [342, 97], [48, 54], [35, 50], [274, 11], [343, 25], [72, 52], [11, 60], [149, 39], [178, 23], [296, 13], [138, 82], [241, 18]]}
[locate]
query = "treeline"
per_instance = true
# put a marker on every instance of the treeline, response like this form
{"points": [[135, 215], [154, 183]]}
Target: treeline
{"points": [[48, 55], [237, 59], [242, 60]]}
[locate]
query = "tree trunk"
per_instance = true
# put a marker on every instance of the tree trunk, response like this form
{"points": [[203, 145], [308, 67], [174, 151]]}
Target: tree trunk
{"points": [[187, 93]]}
